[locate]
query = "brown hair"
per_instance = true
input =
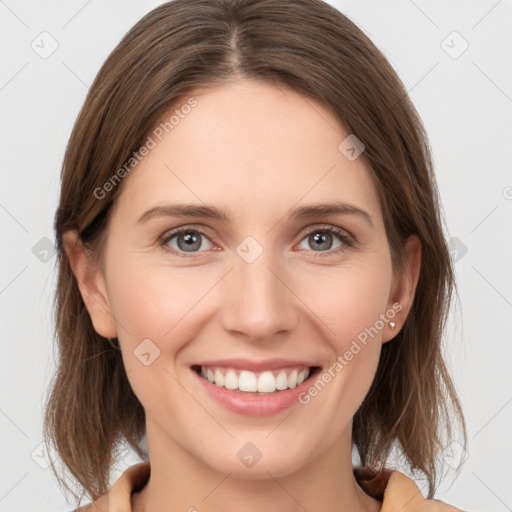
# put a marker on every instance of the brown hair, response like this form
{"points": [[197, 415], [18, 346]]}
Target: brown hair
{"points": [[311, 47]]}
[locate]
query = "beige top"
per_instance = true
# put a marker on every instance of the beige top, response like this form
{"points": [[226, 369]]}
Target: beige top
{"points": [[397, 492]]}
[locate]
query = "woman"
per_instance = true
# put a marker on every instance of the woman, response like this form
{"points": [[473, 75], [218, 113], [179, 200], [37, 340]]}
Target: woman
{"points": [[252, 270]]}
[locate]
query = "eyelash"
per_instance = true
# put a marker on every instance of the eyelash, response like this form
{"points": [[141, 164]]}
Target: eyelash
{"points": [[347, 240]]}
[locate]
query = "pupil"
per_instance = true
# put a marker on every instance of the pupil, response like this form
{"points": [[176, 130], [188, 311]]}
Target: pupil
{"points": [[322, 238], [192, 242]]}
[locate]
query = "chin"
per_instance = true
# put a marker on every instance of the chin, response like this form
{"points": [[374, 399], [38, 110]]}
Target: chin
{"points": [[276, 461]]}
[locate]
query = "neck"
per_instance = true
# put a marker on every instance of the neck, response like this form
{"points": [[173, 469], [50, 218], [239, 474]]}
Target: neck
{"points": [[179, 481]]}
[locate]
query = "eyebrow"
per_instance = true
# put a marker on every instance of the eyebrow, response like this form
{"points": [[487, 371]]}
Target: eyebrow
{"points": [[211, 212]]}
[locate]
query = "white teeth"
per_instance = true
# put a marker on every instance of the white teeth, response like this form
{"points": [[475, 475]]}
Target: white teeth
{"points": [[292, 379], [264, 382], [219, 378], [231, 380], [247, 381], [282, 380]]}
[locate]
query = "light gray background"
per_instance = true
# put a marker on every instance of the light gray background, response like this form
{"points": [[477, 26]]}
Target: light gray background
{"points": [[466, 104]]}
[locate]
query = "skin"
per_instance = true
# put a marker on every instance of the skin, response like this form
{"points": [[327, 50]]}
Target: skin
{"points": [[256, 151]]}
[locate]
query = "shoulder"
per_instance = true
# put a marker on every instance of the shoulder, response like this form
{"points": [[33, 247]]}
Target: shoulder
{"points": [[398, 492], [100, 504], [403, 494], [118, 498]]}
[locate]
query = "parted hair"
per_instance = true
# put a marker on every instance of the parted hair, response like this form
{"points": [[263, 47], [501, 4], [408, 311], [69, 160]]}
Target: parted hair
{"points": [[310, 47]]}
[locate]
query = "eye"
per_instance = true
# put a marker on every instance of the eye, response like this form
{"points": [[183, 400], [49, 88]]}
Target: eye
{"points": [[186, 240], [321, 240]]}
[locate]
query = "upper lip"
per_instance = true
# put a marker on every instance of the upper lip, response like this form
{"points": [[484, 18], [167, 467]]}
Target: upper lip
{"points": [[256, 366]]}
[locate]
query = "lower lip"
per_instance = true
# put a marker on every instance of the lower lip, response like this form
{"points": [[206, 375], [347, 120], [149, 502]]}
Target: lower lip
{"points": [[252, 404]]}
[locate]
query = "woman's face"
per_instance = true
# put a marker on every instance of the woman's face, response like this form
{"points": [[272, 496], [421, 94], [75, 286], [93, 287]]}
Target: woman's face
{"points": [[254, 298]]}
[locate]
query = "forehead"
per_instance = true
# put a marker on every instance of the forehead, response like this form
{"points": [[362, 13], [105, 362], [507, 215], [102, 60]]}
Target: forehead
{"points": [[251, 148]]}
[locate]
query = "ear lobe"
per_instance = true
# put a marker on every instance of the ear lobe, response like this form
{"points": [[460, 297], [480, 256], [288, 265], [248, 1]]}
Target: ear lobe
{"points": [[404, 287], [91, 284]]}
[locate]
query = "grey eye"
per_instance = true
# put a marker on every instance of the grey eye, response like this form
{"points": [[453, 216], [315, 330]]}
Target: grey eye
{"points": [[189, 240], [321, 240]]}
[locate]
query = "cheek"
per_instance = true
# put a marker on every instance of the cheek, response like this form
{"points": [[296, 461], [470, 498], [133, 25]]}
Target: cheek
{"points": [[153, 307], [348, 301], [349, 305], [158, 310], [154, 301]]}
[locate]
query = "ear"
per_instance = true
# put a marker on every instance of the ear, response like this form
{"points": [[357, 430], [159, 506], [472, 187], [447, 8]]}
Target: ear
{"points": [[403, 288], [91, 284]]}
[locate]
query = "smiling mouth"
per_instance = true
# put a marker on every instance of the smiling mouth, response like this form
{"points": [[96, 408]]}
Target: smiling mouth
{"points": [[258, 383]]}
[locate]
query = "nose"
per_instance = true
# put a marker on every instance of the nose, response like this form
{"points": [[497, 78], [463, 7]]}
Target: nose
{"points": [[258, 303]]}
